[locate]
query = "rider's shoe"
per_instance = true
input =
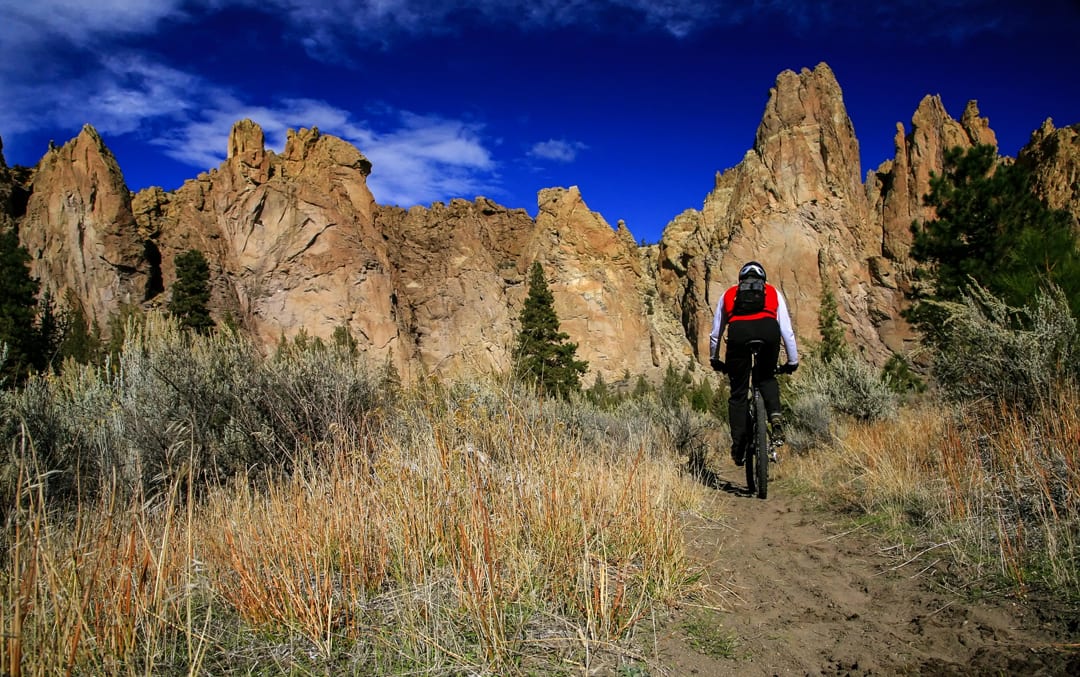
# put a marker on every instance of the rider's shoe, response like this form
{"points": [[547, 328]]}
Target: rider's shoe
{"points": [[737, 456], [776, 422]]}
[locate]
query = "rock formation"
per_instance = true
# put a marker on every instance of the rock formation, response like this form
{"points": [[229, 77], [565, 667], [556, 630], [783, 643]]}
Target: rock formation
{"points": [[290, 239], [795, 203], [1053, 156], [80, 232], [297, 244]]}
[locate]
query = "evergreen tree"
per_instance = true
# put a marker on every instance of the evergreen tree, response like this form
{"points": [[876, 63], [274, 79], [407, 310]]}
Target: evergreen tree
{"points": [[18, 308], [80, 342], [832, 332], [191, 292], [641, 387], [674, 387], [543, 355], [993, 229]]}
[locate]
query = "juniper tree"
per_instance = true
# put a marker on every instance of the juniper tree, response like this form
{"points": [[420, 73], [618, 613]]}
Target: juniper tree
{"points": [[832, 344], [191, 292], [992, 229], [18, 307], [544, 357]]}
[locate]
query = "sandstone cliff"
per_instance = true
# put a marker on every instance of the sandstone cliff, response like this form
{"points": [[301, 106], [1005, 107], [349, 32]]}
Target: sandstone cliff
{"points": [[795, 203], [80, 232], [290, 239], [296, 242], [1053, 156]]}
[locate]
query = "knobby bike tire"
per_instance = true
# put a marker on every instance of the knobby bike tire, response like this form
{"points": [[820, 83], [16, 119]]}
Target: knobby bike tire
{"points": [[749, 457], [761, 446]]}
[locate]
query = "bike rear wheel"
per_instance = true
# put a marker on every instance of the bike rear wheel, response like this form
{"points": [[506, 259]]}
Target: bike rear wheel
{"points": [[761, 446], [750, 461]]}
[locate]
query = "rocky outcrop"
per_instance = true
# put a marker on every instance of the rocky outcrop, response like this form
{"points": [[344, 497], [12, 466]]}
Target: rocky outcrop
{"points": [[12, 194], [795, 203], [80, 231], [895, 191], [1053, 157], [458, 275], [600, 287], [296, 242], [461, 270], [290, 239]]}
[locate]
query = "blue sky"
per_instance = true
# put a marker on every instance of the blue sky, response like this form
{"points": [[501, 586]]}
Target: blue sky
{"points": [[637, 102]]}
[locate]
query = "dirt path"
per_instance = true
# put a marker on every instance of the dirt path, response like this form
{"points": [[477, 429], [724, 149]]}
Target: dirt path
{"points": [[817, 598]]}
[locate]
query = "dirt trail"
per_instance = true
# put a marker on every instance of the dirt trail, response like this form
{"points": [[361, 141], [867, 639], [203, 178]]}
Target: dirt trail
{"points": [[817, 598]]}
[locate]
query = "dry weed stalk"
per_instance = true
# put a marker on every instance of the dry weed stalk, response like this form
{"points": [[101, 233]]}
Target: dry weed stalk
{"points": [[1001, 484]]}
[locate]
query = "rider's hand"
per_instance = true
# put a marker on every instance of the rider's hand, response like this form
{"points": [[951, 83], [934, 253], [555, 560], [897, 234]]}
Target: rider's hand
{"points": [[788, 368], [717, 365]]}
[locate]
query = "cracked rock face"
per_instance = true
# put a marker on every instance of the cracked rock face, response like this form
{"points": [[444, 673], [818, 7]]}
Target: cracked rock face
{"points": [[296, 242], [80, 232]]}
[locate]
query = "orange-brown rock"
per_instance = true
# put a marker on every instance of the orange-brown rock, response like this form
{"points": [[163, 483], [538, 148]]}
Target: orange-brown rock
{"points": [[1053, 157], [461, 271], [895, 191], [296, 242], [290, 239], [80, 231]]}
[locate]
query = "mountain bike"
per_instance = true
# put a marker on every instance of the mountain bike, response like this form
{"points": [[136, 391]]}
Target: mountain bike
{"points": [[759, 449]]}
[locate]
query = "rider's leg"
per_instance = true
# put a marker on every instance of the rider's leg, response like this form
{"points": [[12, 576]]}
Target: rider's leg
{"points": [[765, 369], [738, 366]]}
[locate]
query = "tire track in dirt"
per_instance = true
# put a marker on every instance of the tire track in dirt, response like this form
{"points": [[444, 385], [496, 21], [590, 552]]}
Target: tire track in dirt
{"points": [[803, 594]]}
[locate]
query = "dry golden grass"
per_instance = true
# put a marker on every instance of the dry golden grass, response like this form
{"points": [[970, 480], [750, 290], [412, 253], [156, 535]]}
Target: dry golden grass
{"points": [[1000, 489], [453, 539]]}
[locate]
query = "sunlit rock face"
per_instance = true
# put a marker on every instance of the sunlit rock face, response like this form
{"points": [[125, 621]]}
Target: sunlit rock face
{"points": [[1053, 156], [296, 243], [80, 232]]}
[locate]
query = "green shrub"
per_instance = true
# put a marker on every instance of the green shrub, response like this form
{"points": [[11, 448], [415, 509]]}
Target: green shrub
{"points": [[1016, 355], [845, 386], [176, 404]]}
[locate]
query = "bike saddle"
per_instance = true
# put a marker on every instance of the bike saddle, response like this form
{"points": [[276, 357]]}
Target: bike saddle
{"points": [[755, 345]]}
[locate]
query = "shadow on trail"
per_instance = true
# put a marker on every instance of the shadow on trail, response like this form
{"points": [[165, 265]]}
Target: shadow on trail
{"points": [[714, 481]]}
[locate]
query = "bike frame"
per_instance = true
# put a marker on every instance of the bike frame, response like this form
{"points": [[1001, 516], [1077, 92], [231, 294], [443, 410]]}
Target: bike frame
{"points": [[756, 456]]}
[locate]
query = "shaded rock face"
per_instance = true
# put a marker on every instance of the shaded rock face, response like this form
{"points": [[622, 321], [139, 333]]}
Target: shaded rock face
{"points": [[80, 232], [13, 193], [1053, 157], [296, 242], [461, 273], [290, 239]]}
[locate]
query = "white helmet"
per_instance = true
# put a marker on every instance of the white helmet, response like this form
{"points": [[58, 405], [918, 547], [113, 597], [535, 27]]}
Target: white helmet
{"points": [[752, 269]]}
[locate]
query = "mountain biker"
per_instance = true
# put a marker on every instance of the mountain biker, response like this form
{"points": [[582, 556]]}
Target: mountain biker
{"points": [[752, 309]]}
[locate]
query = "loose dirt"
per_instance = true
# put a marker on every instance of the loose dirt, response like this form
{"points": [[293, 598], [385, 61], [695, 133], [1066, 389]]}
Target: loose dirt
{"points": [[795, 591]]}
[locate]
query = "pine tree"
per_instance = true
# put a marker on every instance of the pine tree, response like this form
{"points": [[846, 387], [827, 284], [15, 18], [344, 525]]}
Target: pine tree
{"points": [[543, 355], [832, 332], [18, 308], [191, 292], [993, 229]]}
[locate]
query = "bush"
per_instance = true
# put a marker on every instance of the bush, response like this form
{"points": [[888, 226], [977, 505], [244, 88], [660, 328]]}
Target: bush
{"points": [[177, 404], [846, 385], [1016, 355]]}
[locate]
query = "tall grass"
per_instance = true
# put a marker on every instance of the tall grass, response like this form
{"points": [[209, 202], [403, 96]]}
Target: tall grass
{"points": [[332, 525], [996, 488]]}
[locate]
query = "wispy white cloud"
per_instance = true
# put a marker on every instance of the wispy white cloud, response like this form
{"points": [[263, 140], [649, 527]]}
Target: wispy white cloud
{"points": [[429, 158], [417, 159], [557, 150], [79, 22]]}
